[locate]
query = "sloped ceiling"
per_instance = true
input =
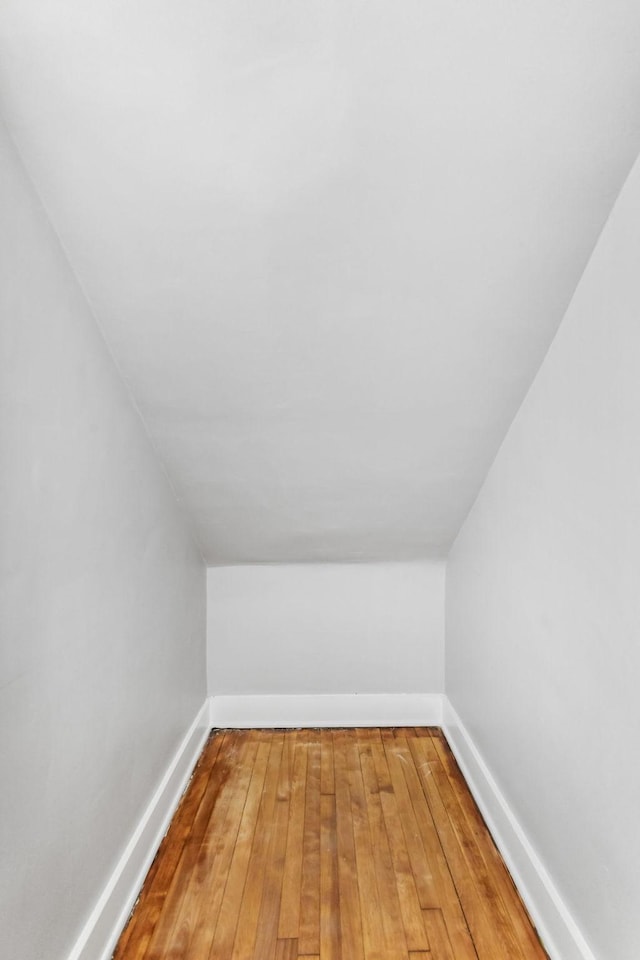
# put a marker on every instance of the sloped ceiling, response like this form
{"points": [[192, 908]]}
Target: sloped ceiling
{"points": [[328, 241]]}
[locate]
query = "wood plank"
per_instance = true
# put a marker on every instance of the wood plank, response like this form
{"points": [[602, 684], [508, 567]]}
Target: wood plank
{"points": [[285, 778], [269, 915], [486, 914], [483, 909], [225, 930], [403, 733], [247, 925], [455, 793], [366, 735], [309, 931], [442, 888], [286, 949], [179, 857], [289, 920], [390, 909], [330, 946], [163, 929], [441, 948], [327, 776], [350, 918], [206, 889], [428, 891], [370, 907], [182, 823], [134, 945], [230, 746], [138, 933], [412, 920]]}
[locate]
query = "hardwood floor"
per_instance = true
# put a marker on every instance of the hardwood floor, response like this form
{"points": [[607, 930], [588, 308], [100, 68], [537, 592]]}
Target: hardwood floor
{"points": [[328, 845]]}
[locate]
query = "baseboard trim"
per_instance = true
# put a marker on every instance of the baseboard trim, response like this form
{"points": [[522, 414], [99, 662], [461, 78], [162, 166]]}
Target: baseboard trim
{"points": [[100, 934], [327, 710], [558, 931]]}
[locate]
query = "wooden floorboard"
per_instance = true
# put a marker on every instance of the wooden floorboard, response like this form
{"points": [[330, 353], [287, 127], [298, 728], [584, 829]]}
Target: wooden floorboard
{"points": [[328, 845]]}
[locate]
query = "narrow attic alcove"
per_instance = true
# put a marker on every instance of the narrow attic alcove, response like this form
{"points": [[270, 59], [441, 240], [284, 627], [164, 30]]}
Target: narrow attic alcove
{"points": [[319, 400]]}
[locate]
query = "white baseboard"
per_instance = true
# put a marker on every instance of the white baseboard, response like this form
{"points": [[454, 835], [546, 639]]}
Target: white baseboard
{"points": [[327, 710], [100, 934], [558, 930]]}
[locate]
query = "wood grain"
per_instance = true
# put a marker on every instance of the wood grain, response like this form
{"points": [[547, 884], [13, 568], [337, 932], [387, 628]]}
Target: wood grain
{"points": [[309, 923], [328, 845], [289, 922]]}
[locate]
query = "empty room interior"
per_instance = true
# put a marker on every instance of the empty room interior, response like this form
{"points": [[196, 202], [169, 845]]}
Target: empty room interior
{"points": [[320, 467]]}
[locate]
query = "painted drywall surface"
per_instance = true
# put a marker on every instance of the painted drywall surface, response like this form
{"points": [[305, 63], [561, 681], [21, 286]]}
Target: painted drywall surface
{"points": [[326, 628], [329, 241], [543, 605], [102, 597]]}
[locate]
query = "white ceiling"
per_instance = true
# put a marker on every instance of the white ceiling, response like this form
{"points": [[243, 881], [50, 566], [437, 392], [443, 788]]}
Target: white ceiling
{"points": [[328, 241]]}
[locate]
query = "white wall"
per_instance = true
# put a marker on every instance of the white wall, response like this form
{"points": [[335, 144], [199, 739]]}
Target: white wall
{"points": [[326, 628], [543, 601], [102, 603]]}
